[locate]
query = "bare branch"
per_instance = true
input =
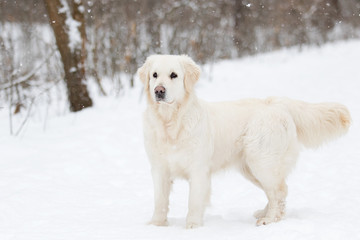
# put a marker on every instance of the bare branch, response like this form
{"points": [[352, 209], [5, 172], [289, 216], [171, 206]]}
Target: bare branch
{"points": [[26, 77], [26, 118]]}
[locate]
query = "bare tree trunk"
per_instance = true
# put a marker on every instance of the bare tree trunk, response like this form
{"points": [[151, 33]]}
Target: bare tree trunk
{"points": [[69, 30]]}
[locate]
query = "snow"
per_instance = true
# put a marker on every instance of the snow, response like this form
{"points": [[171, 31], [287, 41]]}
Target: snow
{"points": [[87, 176]]}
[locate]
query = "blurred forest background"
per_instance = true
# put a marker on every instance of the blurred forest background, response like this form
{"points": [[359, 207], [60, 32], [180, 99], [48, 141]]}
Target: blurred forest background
{"points": [[117, 36]]}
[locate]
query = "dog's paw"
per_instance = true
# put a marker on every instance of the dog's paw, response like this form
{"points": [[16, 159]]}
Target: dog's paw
{"points": [[192, 225], [157, 222], [193, 221], [266, 220]]}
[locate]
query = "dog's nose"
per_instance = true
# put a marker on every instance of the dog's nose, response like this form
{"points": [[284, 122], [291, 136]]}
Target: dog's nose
{"points": [[160, 92]]}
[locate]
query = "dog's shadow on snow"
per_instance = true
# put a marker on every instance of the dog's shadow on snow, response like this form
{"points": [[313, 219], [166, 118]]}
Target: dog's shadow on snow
{"points": [[215, 221], [236, 219]]}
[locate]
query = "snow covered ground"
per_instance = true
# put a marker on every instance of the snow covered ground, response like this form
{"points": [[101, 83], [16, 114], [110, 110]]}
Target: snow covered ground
{"points": [[87, 176]]}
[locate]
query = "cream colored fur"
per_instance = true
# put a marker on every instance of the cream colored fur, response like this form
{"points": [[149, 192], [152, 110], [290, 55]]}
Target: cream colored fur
{"points": [[188, 138]]}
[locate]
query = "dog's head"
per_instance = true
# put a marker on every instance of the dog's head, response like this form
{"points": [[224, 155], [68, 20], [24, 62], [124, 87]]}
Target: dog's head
{"points": [[168, 79]]}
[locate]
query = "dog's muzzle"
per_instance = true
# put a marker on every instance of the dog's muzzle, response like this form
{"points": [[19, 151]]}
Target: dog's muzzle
{"points": [[160, 92]]}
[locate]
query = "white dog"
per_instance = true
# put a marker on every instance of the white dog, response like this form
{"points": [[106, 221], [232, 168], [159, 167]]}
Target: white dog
{"points": [[188, 138]]}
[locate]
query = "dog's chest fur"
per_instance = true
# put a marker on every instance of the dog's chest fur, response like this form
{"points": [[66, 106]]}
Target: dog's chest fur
{"points": [[174, 150], [175, 144]]}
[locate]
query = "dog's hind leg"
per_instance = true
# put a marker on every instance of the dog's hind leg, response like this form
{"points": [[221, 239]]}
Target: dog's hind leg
{"points": [[272, 181], [271, 149], [246, 172], [276, 194], [275, 209]]}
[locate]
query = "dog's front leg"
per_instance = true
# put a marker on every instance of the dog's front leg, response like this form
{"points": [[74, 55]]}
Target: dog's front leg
{"points": [[162, 186], [199, 196]]}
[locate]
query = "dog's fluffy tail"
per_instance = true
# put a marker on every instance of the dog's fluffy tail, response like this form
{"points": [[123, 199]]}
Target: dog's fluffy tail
{"points": [[318, 123]]}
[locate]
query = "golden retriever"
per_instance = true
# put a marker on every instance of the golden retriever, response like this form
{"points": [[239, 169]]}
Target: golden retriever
{"points": [[186, 137]]}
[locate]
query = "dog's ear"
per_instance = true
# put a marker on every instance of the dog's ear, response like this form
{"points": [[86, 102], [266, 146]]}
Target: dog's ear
{"points": [[144, 71], [191, 72]]}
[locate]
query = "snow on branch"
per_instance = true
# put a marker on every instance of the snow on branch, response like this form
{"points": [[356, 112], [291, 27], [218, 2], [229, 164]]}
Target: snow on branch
{"points": [[72, 27]]}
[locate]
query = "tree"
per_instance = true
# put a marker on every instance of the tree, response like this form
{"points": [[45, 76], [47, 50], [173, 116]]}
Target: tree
{"points": [[69, 30]]}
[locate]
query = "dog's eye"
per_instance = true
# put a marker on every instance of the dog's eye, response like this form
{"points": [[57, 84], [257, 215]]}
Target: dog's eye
{"points": [[173, 75], [155, 75]]}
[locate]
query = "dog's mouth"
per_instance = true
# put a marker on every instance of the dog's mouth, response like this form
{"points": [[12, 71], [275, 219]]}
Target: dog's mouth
{"points": [[163, 101]]}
